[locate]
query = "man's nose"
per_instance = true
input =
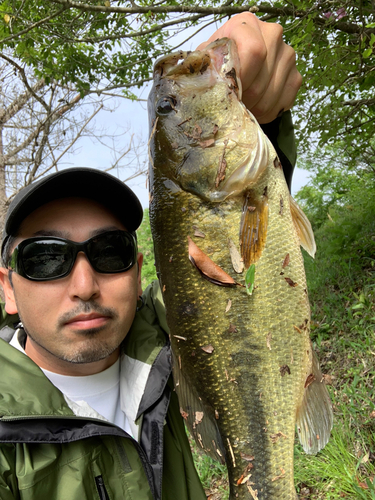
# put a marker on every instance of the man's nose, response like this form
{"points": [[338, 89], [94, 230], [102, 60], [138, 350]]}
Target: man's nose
{"points": [[83, 280]]}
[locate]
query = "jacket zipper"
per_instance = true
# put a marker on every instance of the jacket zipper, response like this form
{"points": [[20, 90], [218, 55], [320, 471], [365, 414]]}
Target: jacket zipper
{"points": [[103, 495]]}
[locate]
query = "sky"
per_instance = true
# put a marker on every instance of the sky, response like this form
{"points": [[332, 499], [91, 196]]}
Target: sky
{"points": [[129, 118]]}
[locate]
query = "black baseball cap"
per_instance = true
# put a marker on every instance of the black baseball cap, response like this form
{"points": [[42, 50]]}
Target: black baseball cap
{"points": [[82, 182]]}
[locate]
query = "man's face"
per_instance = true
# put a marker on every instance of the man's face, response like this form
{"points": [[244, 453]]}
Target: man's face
{"points": [[74, 324]]}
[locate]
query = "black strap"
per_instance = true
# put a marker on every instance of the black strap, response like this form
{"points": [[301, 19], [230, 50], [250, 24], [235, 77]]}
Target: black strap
{"points": [[272, 131]]}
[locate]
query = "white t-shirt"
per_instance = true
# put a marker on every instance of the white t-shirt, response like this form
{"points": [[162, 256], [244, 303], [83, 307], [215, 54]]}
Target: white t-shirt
{"points": [[100, 391]]}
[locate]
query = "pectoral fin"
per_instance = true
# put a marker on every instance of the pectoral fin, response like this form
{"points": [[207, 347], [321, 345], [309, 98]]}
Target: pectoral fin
{"points": [[314, 416], [303, 228], [253, 229], [199, 417]]}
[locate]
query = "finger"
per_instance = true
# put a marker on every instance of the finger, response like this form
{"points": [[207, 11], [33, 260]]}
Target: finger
{"points": [[257, 45], [266, 113], [281, 91], [245, 30], [258, 52], [277, 110]]}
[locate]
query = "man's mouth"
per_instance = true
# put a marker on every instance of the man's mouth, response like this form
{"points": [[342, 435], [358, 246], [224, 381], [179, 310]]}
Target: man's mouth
{"points": [[87, 321]]}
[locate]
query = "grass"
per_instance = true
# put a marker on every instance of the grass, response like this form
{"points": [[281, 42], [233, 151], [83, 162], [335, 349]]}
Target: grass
{"points": [[212, 474], [339, 471], [343, 337]]}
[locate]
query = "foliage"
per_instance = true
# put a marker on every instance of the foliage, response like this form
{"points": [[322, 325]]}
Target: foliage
{"points": [[338, 179], [145, 246], [339, 471], [109, 44], [340, 204], [334, 42], [250, 279]]}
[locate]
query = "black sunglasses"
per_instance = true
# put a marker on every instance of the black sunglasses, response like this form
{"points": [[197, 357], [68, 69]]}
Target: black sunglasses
{"points": [[47, 258]]}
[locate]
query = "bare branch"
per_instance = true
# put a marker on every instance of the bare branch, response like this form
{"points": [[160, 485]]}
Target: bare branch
{"points": [[67, 106], [8, 113], [56, 115], [78, 135], [136, 34], [31, 137], [136, 174], [115, 165], [359, 102], [24, 79]]}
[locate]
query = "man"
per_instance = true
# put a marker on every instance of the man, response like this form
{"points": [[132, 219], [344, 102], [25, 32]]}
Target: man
{"points": [[86, 399]]}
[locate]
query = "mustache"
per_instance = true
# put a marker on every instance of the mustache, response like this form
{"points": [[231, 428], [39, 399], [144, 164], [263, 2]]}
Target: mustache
{"points": [[87, 308]]}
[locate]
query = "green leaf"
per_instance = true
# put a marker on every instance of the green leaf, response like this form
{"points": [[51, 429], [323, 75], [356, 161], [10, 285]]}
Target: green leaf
{"points": [[250, 279], [358, 306], [367, 53]]}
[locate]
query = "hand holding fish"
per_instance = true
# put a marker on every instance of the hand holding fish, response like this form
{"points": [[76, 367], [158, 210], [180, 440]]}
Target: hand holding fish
{"points": [[270, 79]]}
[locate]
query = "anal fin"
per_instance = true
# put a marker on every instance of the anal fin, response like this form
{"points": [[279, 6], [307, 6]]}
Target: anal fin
{"points": [[199, 417], [315, 415]]}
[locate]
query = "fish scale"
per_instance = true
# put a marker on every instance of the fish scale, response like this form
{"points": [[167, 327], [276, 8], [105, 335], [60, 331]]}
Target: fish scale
{"points": [[240, 373]]}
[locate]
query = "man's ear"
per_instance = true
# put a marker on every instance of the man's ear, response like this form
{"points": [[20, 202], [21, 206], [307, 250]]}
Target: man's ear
{"points": [[10, 301], [139, 266]]}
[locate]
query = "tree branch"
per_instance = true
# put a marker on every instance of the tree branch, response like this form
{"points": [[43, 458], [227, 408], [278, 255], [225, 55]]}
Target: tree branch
{"points": [[9, 112], [78, 135], [115, 165], [54, 115], [25, 80], [359, 102], [136, 34], [350, 28]]}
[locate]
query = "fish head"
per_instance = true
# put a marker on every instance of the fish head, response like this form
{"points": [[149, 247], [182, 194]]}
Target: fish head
{"points": [[202, 137]]}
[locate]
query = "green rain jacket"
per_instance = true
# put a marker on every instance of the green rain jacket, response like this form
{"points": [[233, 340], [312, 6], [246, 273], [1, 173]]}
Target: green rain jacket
{"points": [[48, 452], [49, 449]]}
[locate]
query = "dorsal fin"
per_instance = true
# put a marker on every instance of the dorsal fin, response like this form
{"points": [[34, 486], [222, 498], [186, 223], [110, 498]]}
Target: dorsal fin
{"points": [[314, 416], [303, 228], [253, 228]]}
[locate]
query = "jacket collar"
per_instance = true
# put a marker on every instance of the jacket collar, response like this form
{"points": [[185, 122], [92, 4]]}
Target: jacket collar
{"points": [[23, 381]]}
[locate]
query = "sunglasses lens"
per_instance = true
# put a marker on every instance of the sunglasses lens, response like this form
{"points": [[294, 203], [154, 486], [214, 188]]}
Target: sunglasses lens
{"points": [[49, 258], [112, 252], [43, 260]]}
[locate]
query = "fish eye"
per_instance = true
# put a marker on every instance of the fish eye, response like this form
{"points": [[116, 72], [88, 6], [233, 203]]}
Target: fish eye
{"points": [[165, 105]]}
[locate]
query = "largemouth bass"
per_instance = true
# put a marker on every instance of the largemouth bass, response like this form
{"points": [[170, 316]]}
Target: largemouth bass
{"points": [[227, 238]]}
